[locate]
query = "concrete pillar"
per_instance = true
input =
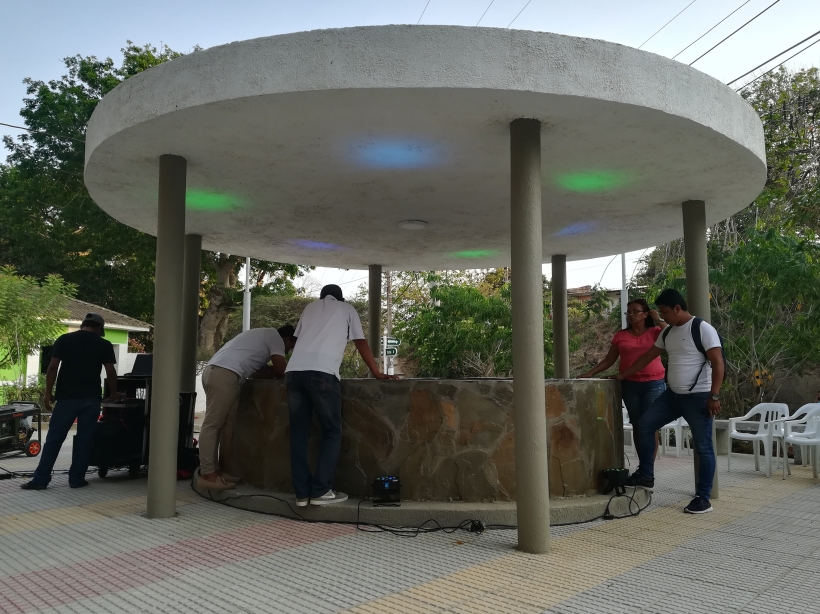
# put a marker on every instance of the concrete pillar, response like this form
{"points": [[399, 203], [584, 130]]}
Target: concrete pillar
{"points": [[374, 307], [697, 281], [531, 460], [697, 266], [162, 465], [560, 321], [191, 279]]}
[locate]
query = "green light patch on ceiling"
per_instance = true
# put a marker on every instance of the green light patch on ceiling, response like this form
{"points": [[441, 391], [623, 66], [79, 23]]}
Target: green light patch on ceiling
{"points": [[210, 200], [475, 253], [592, 181]]}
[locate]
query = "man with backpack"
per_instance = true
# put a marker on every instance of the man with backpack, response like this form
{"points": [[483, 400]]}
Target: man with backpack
{"points": [[694, 376]]}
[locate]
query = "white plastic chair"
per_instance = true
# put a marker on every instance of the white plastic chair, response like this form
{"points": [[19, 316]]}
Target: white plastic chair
{"points": [[770, 424], [679, 427], [802, 418], [809, 438]]}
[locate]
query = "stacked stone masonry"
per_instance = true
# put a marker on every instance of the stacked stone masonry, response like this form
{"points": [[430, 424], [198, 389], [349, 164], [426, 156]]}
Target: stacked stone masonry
{"points": [[447, 440]]}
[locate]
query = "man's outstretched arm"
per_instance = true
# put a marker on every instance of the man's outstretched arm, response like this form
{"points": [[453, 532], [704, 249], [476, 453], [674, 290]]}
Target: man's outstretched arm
{"points": [[650, 355], [367, 356]]}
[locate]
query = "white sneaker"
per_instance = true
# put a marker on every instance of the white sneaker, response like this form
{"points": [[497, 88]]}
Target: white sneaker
{"points": [[302, 502], [329, 498]]}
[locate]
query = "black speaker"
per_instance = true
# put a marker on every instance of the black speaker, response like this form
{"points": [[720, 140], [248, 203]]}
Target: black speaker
{"points": [[386, 491]]}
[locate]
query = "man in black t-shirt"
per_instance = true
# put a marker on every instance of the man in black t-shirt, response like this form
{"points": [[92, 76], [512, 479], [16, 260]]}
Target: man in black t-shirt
{"points": [[76, 361]]}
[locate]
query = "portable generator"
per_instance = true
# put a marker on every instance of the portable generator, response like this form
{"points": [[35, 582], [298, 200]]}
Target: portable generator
{"points": [[16, 430]]}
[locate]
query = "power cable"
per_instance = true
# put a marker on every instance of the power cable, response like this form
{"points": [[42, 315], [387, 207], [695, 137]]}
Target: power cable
{"points": [[776, 56], [667, 23], [779, 65], [56, 136], [607, 267], [735, 32], [485, 12], [423, 12], [519, 14], [710, 29]]}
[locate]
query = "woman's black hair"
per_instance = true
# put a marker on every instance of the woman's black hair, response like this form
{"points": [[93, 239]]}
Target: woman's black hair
{"points": [[650, 321]]}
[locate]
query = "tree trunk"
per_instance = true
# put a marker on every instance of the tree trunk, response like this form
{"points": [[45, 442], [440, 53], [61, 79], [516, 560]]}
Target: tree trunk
{"points": [[214, 322]]}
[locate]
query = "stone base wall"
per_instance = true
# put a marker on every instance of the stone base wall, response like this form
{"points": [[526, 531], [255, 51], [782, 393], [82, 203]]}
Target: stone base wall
{"points": [[445, 439]]}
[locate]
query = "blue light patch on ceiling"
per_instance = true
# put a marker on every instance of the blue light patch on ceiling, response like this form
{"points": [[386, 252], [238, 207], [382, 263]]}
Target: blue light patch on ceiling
{"points": [[396, 154], [579, 228], [315, 244]]}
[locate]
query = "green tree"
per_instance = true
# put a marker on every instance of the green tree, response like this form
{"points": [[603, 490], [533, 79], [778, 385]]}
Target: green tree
{"points": [[461, 332], [30, 314], [766, 304], [49, 224]]}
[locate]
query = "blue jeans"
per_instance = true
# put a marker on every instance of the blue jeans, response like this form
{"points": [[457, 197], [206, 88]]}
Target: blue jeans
{"points": [[638, 396], [310, 391], [66, 411], [670, 406]]}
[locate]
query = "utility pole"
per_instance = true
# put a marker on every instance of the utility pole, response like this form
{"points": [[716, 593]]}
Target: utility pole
{"points": [[624, 291], [389, 303], [246, 302]]}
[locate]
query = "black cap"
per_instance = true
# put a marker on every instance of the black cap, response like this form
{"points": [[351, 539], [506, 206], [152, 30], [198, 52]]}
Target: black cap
{"points": [[93, 319]]}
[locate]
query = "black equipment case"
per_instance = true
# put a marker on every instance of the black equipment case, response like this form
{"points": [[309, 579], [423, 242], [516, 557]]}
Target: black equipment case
{"points": [[123, 431]]}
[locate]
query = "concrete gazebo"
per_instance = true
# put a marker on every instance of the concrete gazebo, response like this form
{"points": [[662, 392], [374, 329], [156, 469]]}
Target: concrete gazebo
{"points": [[508, 147]]}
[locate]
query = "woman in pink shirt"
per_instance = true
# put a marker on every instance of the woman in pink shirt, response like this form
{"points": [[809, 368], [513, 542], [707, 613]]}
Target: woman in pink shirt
{"points": [[629, 344]]}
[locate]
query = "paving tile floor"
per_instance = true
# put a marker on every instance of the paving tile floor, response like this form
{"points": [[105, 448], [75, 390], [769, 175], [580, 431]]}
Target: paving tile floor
{"points": [[93, 550]]}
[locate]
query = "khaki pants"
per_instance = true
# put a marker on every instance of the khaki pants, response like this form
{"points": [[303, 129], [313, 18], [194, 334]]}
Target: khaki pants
{"points": [[222, 388]]}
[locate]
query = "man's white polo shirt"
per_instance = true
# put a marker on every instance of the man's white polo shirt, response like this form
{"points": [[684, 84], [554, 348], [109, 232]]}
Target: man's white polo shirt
{"points": [[323, 331], [248, 352]]}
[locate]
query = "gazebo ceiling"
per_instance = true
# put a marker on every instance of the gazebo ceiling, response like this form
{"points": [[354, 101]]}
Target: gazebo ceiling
{"points": [[314, 147]]}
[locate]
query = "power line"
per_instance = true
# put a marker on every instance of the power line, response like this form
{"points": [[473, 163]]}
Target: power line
{"points": [[56, 136], [423, 12], [735, 32], [710, 29], [776, 56], [519, 14], [781, 64], [485, 12], [667, 23], [607, 266]]}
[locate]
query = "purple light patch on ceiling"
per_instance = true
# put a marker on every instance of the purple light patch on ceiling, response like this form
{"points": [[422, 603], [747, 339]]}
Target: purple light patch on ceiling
{"points": [[579, 228], [315, 244]]}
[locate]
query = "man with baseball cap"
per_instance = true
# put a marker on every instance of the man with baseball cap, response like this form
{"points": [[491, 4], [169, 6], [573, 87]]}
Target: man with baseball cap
{"points": [[76, 361]]}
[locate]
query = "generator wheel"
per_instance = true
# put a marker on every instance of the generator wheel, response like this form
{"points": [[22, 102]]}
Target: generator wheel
{"points": [[134, 472], [102, 471], [33, 448]]}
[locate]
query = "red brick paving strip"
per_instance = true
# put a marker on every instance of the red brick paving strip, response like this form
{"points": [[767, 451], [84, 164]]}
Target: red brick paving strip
{"points": [[57, 586]]}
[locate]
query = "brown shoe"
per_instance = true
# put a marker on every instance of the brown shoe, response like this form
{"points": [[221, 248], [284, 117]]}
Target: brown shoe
{"points": [[218, 484]]}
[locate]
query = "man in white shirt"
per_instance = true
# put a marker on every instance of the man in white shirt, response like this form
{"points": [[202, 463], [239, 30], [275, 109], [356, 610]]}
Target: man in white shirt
{"points": [[313, 385], [244, 356], [694, 376]]}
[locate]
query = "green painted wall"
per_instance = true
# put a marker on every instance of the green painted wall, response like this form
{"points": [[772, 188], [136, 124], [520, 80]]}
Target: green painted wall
{"points": [[13, 372], [116, 336]]}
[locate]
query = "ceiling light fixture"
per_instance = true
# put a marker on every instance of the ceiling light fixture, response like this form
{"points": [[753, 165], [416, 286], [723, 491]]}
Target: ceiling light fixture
{"points": [[412, 224]]}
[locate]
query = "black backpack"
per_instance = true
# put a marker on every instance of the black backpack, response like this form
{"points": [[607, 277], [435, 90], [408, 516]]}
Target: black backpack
{"points": [[696, 339]]}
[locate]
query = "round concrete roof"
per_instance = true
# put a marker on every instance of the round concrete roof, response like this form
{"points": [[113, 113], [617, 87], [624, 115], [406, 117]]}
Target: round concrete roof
{"points": [[313, 147]]}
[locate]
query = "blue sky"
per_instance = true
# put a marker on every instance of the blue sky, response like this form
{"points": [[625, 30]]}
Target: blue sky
{"points": [[39, 33]]}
